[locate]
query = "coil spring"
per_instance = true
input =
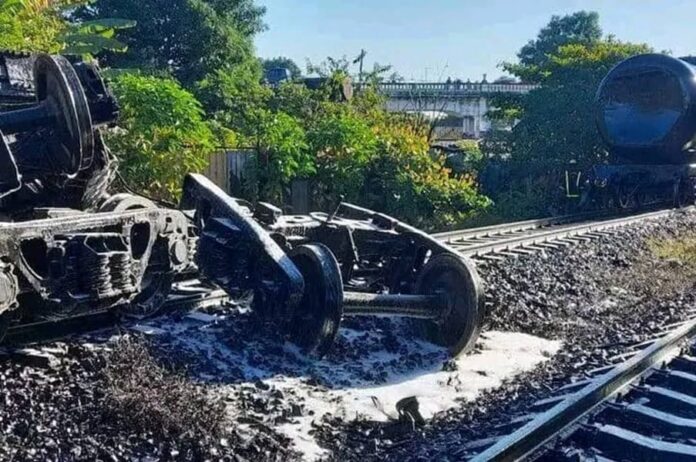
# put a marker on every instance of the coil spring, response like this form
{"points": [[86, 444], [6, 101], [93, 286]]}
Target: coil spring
{"points": [[121, 277], [192, 242], [9, 288], [96, 274]]}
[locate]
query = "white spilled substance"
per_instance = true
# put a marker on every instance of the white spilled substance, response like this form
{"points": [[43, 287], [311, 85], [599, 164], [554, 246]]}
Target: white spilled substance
{"points": [[367, 386], [503, 355]]}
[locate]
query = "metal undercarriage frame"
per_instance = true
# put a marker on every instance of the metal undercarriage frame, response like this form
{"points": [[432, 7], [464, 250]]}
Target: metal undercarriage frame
{"points": [[91, 260], [67, 246], [631, 186], [306, 272], [368, 263]]}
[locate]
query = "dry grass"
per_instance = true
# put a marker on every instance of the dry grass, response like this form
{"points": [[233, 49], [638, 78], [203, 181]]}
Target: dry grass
{"points": [[681, 250], [148, 398]]}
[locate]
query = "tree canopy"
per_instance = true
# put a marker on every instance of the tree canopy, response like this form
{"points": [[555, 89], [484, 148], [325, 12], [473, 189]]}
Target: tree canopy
{"points": [[187, 38], [581, 27], [554, 126], [162, 134]]}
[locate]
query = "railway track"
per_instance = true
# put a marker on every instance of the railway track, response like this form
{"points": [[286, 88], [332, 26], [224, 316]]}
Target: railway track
{"points": [[655, 419], [490, 242], [643, 408], [496, 242]]}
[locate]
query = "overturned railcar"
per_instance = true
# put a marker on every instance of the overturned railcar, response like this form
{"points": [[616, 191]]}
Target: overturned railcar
{"points": [[68, 246], [65, 244]]}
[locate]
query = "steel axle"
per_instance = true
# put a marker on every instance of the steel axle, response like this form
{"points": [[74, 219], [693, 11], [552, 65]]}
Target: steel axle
{"points": [[406, 305], [447, 300]]}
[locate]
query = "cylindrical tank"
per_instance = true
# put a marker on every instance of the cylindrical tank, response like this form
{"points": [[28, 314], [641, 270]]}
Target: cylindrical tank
{"points": [[646, 110]]}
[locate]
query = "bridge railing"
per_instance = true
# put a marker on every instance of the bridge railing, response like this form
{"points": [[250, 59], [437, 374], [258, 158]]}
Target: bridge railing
{"points": [[406, 89]]}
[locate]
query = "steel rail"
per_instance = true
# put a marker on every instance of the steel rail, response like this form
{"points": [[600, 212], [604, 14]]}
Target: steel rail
{"points": [[559, 418], [514, 227], [540, 236]]}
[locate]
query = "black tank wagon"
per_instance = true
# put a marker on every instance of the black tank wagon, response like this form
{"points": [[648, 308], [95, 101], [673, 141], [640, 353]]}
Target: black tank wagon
{"points": [[646, 115]]}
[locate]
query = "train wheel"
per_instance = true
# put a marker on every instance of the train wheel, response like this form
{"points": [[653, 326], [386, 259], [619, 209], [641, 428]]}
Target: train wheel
{"points": [[626, 197], [124, 202], [316, 319], [458, 280]]}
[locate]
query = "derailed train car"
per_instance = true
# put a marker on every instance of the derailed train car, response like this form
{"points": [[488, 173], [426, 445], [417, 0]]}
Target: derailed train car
{"points": [[67, 246], [646, 115]]}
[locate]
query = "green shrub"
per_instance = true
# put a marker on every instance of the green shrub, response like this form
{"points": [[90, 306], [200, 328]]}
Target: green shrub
{"points": [[406, 181], [162, 134]]}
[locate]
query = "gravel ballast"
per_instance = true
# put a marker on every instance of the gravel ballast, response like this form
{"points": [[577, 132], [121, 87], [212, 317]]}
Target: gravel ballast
{"points": [[599, 297], [249, 396]]}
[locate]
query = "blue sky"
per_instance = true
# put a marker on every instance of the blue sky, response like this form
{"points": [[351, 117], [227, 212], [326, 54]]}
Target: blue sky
{"points": [[457, 38]]}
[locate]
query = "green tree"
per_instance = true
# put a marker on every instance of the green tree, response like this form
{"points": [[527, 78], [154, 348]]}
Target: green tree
{"points": [[557, 124], [282, 62], [344, 144], [556, 128], [283, 155], [32, 25], [237, 99], [330, 67], [44, 26], [382, 160], [405, 180], [581, 27], [188, 38], [162, 135]]}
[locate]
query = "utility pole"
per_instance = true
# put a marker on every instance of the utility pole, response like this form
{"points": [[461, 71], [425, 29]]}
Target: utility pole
{"points": [[360, 59]]}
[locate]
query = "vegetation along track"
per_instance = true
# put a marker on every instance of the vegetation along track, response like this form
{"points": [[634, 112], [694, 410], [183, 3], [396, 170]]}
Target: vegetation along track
{"points": [[495, 242], [643, 408]]}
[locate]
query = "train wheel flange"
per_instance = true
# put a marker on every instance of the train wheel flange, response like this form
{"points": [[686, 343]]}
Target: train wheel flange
{"points": [[455, 278], [5, 321], [315, 321], [58, 87]]}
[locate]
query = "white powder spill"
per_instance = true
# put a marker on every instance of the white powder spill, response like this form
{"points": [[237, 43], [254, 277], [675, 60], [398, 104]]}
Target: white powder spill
{"points": [[503, 355], [291, 392]]}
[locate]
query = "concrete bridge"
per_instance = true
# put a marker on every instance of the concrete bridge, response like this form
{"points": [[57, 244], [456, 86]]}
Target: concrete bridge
{"points": [[457, 108]]}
